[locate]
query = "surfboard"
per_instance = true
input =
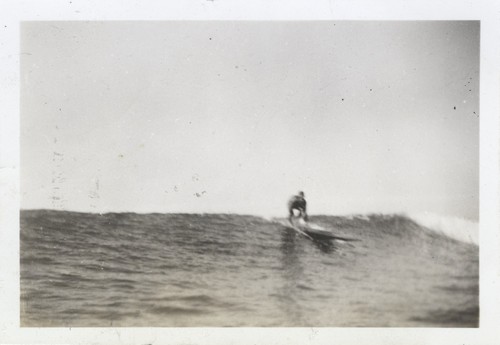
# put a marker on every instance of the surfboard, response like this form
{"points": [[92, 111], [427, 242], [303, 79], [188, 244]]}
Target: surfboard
{"points": [[313, 231], [289, 225], [306, 229]]}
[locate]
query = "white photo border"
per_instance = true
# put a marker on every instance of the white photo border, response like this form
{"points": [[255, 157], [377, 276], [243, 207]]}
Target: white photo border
{"points": [[12, 13]]}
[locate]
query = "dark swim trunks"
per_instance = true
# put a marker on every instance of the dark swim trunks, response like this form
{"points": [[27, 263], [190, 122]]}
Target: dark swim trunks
{"points": [[297, 203]]}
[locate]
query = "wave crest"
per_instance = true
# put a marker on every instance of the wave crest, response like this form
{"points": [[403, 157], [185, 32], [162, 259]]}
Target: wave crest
{"points": [[460, 229]]}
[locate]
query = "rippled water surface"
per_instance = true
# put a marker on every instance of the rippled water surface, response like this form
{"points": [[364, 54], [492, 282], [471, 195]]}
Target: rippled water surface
{"points": [[127, 269]]}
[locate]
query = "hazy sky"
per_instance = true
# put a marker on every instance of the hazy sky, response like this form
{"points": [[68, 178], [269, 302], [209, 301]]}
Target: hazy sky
{"points": [[238, 116]]}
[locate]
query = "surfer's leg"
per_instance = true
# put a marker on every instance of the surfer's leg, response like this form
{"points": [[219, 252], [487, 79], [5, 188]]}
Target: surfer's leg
{"points": [[290, 215], [303, 214]]}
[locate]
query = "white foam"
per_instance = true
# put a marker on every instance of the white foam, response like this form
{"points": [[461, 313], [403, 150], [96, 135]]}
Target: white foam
{"points": [[460, 229]]}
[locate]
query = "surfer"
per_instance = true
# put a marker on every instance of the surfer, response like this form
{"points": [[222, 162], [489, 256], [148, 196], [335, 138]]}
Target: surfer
{"points": [[297, 202]]}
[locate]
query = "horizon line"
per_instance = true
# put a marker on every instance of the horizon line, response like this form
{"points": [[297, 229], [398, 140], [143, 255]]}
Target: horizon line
{"points": [[402, 213]]}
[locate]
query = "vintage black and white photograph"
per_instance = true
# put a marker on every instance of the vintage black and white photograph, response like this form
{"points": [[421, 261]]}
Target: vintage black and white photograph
{"points": [[249, 173]]}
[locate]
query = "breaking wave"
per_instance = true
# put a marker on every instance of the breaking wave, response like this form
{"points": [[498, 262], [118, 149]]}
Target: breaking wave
{"points": [[460, 229]]}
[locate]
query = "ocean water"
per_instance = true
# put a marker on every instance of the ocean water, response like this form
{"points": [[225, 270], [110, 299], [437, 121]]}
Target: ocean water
{"points": [[175, 270]]}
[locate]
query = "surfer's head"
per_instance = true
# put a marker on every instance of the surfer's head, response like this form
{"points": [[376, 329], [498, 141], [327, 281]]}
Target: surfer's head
{"points": [[301, 193]]}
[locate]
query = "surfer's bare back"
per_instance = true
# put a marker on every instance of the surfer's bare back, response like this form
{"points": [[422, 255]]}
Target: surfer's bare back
{"points": [[297, 202]]}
